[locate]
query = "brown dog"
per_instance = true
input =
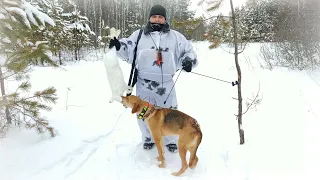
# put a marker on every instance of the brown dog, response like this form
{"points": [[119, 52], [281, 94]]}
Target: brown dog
{"points": [[164, 122]]}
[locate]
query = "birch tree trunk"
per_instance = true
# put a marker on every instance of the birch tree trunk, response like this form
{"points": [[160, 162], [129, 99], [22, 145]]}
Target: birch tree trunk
{"points": [[100, 17]]}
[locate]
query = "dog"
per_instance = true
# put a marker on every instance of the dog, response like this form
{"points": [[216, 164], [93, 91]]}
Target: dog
{"points": [[115, 75], [164, 122]]}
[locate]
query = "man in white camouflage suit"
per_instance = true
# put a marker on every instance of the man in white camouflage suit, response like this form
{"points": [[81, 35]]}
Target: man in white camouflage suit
{"points": [[155, 75]]}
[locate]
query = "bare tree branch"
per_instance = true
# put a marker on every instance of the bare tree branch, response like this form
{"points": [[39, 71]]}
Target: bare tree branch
{"points": [[243, 48], [253, 101], [226, 50]]}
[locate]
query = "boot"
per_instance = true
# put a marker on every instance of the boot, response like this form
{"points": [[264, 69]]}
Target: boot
{"points": [[172, 148], [148, 145]]}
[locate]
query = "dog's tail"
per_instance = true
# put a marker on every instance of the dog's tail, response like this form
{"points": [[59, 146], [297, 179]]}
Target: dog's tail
{"points": [[193, 152], [196, 126], [199, 138]]}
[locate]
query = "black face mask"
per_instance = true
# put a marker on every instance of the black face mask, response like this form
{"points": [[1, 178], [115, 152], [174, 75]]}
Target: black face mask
{"points": [[156, 26]]}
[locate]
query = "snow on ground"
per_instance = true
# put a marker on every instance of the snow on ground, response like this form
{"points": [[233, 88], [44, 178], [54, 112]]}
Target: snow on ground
{"points": [[98, 140]]}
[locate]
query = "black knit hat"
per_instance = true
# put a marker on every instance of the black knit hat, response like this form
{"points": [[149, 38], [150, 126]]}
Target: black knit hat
{"points": [[158, 10]]}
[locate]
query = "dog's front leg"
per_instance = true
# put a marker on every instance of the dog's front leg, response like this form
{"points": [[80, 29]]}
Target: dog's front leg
{"points": [[159, 143]]}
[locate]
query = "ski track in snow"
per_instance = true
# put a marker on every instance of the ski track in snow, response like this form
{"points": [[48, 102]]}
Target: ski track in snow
{"points": [[79, 156], [82, 162]]}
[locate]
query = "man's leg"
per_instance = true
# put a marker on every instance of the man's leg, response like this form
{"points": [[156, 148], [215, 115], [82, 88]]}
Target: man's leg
{"points": [[146, 136], [148, 143], [171, 143]]}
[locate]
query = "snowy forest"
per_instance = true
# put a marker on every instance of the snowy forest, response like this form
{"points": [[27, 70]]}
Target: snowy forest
{"points": [[259, 60], [52, 32], [88, 22]]}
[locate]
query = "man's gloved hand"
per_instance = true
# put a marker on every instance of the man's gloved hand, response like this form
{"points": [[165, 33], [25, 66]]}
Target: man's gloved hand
{"points": [[114, 42], [187, 66]]}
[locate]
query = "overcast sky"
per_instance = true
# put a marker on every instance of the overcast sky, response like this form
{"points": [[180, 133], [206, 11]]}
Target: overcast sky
{"points": [[225, 8]]}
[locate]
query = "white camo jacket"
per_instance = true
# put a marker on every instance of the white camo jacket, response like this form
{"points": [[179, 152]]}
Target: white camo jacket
{"points": [[155, 82]]}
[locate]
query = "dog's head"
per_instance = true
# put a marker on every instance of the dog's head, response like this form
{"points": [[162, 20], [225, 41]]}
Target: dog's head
{"points": [[132, 102]]}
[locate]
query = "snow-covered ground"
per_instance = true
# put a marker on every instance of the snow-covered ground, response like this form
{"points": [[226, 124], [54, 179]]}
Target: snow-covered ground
{"points": [[101, 141]]}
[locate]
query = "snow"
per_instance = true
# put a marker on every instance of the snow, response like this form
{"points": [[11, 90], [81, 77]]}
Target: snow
{"points": [[99, 140], [41, 42], [49, 54], [6, 40], [66, 14], [8, 51], [32, 13], [8, 26], [2, 61], [81, 27], [201, 10], [28, 43], [10, 3], [2, 16], [21, 13]]}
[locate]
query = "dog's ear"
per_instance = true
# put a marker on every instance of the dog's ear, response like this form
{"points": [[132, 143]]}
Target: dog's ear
{"points": [[135, 108]]}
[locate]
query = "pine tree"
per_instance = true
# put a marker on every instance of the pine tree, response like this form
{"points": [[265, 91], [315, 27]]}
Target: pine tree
{"points": [[19, 23], [77, 28], [131, 18], [57, 36], [296, 34], [259, 22], [182, 13]]}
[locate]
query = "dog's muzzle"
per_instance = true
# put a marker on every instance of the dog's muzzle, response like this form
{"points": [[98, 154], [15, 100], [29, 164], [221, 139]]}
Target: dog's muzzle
{"points": [[124, 105]]}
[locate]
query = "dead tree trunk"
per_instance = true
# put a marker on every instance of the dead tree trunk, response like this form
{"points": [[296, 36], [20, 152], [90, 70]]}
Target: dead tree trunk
{"points": [[236, 53], [60, 61], [3, 93], [75, 54]]}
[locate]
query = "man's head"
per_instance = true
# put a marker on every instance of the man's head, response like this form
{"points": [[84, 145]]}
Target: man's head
{"points": [[157, 15]]}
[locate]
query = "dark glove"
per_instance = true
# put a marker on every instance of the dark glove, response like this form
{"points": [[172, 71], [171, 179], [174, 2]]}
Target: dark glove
{"points": [[114, 42], [187, 66]]}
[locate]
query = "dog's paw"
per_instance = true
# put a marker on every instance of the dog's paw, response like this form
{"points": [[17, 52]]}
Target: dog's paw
{"points": [[176, 173], [160, 159], [161, 165]]}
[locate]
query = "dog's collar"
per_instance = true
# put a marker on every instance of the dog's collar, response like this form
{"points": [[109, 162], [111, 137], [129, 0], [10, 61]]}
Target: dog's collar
{"points": [[143, 113], [144, 110]]}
